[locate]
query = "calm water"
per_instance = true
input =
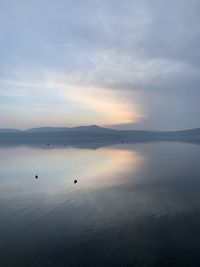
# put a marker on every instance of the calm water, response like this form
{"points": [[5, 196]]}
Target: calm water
{"points": [[133, 205]]}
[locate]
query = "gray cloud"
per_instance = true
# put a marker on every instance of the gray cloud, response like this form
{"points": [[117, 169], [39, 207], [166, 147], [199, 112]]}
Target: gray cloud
{"points": [[148, 48]]}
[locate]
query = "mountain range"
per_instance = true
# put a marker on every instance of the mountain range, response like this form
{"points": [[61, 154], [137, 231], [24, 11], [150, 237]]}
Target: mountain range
{"points": [[89, 128], [93, 134]]}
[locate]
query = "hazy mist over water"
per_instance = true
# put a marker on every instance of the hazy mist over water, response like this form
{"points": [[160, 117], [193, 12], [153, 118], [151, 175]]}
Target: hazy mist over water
{"points": [[133, 205]]}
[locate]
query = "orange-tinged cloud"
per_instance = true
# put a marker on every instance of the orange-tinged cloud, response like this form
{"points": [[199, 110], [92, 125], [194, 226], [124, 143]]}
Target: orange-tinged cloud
{"points": [[77, 102], [105, 106]]}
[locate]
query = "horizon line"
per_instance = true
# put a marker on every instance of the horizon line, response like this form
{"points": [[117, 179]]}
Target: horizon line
{"points": [[95, 125]]}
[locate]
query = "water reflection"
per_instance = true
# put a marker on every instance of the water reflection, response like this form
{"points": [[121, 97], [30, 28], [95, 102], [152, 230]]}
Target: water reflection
{"points": [[132, 205], [58, 168]]}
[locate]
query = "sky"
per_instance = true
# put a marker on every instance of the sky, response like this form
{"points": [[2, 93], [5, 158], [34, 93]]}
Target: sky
{"points": [[131, 64]]}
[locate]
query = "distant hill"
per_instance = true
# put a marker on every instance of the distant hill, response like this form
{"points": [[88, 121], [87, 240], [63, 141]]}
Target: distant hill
{"points": [[89, 128], [47, 129], [9, 130], [92, 134]]}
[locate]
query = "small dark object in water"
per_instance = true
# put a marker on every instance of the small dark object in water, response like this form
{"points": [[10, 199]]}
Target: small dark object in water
{"points": [[47, 144], [122, 141], [75, 181], [36, 176]]}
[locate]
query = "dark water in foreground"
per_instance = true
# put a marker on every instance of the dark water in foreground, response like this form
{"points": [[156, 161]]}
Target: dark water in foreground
{"points": [[134, 205]]}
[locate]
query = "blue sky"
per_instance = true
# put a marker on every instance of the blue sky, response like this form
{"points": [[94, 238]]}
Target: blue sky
{"points": [[126, 64]]}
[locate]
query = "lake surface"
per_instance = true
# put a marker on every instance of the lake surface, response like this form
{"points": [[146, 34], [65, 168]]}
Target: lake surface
{"points": [[133, 205]]}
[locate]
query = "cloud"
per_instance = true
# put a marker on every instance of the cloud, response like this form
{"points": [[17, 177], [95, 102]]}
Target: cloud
{"points": [[134, 62], [79, 103], [62, 45]]}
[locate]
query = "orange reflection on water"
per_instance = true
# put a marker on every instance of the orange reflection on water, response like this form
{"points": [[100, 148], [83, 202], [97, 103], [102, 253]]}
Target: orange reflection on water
{"points": [[110, 166], [57, 168]]}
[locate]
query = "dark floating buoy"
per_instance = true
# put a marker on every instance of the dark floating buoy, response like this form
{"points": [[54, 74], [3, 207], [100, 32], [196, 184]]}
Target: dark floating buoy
{"points": [[122, 141], [36, 176], [75, 181], [47, 144]]}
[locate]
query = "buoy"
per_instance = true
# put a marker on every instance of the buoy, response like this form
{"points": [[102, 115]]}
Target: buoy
{"points": [[36, 176], [75, 181]]}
